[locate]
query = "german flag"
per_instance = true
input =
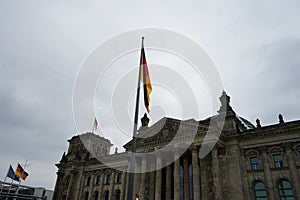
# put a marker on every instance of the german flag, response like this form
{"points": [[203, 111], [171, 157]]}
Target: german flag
{"points": [[145, 78], [20, 172], [95, 126]]}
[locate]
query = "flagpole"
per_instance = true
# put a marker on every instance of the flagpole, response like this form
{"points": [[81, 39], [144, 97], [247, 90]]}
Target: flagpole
{"points": [[133, 147]]}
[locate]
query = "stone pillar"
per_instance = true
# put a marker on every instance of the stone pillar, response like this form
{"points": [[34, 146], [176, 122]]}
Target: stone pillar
{"points": [[267, 173], [186, 180], [69, 192], [216, 174], [158, 178], [196, 185], [59, 185], [152, 180], [81, 183], [111, 186], [91, 186], [127, 181], [123, 185], [293, 170], [101, 184], [137, 178], [204, 178], [246, 189], [143, 178], [177, 177], [168, 182]]}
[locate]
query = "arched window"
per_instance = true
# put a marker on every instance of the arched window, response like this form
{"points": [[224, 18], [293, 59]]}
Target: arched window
{"points": [[106, 195], [107, 179], [260, 192], [118, 194], [285, 190], [86, 196], [96, 194]]}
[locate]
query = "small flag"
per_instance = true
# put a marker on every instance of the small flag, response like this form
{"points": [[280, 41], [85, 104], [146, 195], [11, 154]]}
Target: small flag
{"points": [[95, 127], [21, 173], [11, 174], [145, 78]]}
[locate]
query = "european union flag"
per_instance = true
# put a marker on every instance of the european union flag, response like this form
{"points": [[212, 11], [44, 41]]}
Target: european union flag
{"points": [[11, 174]]}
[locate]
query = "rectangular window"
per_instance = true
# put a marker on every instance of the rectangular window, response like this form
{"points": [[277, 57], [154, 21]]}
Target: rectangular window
{"points": [[119, 178], [108, 179], [88, 181], [98, 180], [277, 158], [254, 163]]}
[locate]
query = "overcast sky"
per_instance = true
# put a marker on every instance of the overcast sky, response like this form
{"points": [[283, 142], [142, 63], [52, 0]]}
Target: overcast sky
{"points": [[255, 46]]}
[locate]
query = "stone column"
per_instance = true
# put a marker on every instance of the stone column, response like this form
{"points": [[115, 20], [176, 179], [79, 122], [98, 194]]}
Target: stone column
{"points": [[101, 184], [81, 183], [143, 178], [196, 185], [246, 189], [158, 178], [204, 178], [267, 173], [59, 185], [168, 182], [127, 182], [69, 193], [186, 180], [216, 174], [137, 178], [123, 185], [177, 177], [151, 188], [111, 186], [293, 169], [91, 186]]}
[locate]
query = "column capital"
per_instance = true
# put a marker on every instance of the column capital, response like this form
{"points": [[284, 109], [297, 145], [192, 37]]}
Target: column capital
{"points": [[194, 148], [287, 145], [262, 149]]}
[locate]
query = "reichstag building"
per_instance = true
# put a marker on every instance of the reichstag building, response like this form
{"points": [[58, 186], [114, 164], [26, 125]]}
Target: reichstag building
{"points": [[246, 161]]}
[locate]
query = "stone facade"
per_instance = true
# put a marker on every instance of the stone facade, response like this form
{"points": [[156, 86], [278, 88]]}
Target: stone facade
{"points": [[244, 162]]}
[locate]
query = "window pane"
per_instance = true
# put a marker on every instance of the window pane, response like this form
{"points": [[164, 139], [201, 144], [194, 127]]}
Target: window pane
{"points": [[254, 163], [259, 186], [289, 198], [288, 192], [261, 193], [260, 190], [285, 190], [277, 158], [286, 184], [254, 160]]}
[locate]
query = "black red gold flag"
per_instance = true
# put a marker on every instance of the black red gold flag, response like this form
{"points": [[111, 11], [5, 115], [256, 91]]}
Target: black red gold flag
{"points": [[145, 78]]}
